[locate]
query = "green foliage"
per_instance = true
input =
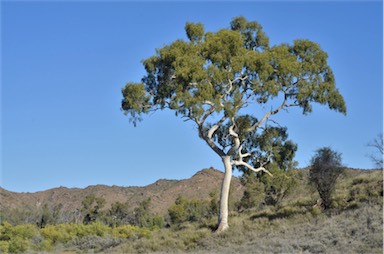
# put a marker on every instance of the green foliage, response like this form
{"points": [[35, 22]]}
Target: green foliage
{"points": [[264, 190], [228, 70], [254, 195], [118, 215], [91, 209], [135, 101], [16, 239], [144, 218], [326, 167], [21, 238], [49, 216], [130, 232], [195, 32], [4, 247], [193, 210]]}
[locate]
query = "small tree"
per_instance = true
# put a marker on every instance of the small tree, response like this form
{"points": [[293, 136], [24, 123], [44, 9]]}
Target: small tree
{"points": [[118, 215], [144, 218], [91, 209], [377, 156], [326, 167], [221, 80]]}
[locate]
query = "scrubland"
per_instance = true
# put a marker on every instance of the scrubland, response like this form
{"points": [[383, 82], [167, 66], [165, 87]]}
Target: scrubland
{"points": [[295, 224]]}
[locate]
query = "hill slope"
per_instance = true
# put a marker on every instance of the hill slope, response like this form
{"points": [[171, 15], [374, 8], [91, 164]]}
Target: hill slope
{"points": [[163, 194]]}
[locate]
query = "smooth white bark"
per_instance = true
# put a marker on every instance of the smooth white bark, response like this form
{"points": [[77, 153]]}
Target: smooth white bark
{"points": [[224, 195]]}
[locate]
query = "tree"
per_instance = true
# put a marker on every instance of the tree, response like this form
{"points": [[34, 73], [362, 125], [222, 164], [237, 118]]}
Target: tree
{"points": [[91, 209], [220, 80], [144, 218], [49, 216], [118, 215], [326, 166], [378, 145]]}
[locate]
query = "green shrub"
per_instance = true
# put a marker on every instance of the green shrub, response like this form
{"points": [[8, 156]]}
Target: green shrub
{"points": [[98, 229], [264, 190], [190, 210], [144, 218], [91, 209], [18, 245], [26, 231], [129, 232], [4, 247], [56, 234]]}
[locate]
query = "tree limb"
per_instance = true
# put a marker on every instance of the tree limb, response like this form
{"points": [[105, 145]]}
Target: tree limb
{"points": [[243, 163]]}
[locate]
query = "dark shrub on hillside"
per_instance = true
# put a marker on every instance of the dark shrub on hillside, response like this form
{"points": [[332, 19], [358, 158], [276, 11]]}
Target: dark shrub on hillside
{"points": [[326, 167]]}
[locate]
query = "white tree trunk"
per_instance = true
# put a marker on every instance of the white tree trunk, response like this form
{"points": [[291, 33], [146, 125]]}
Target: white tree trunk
{"points": [[224, 195]]}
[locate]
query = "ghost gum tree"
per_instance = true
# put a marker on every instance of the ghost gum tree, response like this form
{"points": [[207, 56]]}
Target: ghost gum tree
{"points": [[231, 83]]}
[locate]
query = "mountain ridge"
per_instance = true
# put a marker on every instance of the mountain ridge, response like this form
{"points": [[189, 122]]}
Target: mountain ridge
{"points": [[162, 193]]}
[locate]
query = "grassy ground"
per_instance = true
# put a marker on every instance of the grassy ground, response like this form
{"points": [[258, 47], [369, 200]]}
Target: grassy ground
{"points": [[357, 230]]}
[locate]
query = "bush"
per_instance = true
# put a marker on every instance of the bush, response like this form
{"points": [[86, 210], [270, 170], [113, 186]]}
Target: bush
{"points": [[326, 167], [94, 242], [266, 190], [130, 232], [91, 209], [190, 210], [4, 247], [18, 245]]}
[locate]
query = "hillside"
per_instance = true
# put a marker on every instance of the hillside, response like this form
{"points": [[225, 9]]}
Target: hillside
{"points": [[296, 224], [163, 194]]}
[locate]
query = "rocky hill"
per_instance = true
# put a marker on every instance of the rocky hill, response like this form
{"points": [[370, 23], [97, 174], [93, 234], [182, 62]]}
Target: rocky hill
{"points": [[163, 194]]}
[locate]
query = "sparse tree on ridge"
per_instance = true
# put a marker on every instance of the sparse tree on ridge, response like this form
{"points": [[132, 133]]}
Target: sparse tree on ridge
{"points": [[378, 145], [231, 83]]}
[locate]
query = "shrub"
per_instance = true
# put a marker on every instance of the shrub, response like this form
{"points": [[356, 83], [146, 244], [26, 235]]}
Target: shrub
{"points": [[190, 210], [56, 234], [94, 242], [265, 190], [91, 209], [129, 232], [18, 245], [4, 247], [118, 215], [326, 167]]}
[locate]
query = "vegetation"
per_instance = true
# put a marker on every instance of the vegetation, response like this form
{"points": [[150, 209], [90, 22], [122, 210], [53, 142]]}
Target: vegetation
{"points": [[194, 210], [353, 223], [91, 209], [212, 79], [262, 190], [377, 156], [326, 167]]}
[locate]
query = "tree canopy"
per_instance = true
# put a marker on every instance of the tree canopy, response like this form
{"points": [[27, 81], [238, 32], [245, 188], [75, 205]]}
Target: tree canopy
{"points": [[216, 75]]}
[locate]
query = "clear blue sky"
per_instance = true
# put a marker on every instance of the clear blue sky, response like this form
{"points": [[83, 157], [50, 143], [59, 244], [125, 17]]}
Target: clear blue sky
{"points": [[64, 64]]}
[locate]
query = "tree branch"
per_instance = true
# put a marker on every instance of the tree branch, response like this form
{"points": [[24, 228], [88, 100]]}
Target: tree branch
{"points": [[268, 114], [240, 162], [243, 163], [235, 137]]}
